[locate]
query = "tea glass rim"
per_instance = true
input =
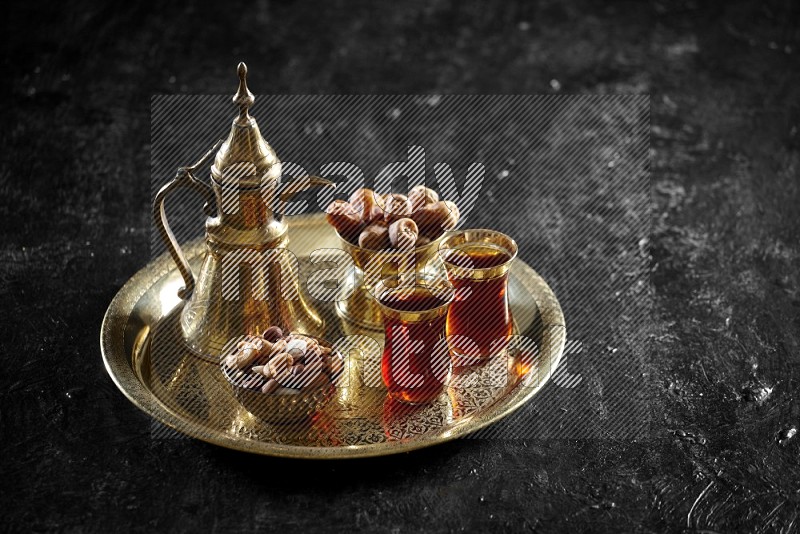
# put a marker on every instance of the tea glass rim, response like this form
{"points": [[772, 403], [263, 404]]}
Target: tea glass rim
{"points": [[510, 247], [416, 315]]}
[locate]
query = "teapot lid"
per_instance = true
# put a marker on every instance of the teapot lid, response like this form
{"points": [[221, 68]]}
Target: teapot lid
{"points": [[245, 159]]}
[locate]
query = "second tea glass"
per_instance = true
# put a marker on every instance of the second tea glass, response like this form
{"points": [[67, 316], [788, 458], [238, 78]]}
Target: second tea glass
{"points": [[479, 322], [415, 365]]}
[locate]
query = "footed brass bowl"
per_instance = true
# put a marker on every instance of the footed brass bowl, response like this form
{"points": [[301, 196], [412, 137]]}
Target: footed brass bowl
{"points": [[360, 308]]}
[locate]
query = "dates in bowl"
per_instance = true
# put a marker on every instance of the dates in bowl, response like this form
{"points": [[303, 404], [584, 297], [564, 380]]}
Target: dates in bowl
{"points": [[282, 378]]}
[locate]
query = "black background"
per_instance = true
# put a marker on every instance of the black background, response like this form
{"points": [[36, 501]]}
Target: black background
{"points": [[725, 336]]}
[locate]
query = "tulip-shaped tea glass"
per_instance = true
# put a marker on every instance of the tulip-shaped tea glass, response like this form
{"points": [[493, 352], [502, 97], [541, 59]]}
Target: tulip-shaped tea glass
{"points": [[479, 322], [416, 365]]}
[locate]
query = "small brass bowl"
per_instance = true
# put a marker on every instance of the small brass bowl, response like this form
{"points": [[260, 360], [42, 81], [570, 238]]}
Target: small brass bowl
{"points": [[284, 405], [364, 257], [360, 307]]}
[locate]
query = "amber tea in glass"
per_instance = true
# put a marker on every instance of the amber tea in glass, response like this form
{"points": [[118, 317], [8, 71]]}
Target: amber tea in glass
{"points": [[415, 365], [479, 321]]}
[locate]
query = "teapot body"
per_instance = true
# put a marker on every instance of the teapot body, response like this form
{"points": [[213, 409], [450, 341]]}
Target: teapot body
{"points": [[244, 290], [248, 280]]}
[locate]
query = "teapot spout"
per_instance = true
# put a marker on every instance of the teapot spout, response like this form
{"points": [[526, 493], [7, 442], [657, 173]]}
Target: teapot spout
{"points": [[306, 183], [295, 187]]}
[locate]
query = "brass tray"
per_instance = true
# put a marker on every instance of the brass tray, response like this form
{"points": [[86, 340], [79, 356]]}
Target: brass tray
{"points": [[143, 354]]}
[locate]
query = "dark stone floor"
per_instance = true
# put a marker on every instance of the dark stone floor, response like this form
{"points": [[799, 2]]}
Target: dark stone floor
{"points": [[725, 245]]}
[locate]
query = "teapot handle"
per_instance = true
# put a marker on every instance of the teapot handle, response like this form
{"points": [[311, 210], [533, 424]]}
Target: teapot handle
{"points": [[183, 179]]}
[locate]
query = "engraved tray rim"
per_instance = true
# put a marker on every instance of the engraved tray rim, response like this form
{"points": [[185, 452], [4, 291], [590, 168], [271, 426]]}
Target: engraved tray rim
{"points": [[120, 368]]}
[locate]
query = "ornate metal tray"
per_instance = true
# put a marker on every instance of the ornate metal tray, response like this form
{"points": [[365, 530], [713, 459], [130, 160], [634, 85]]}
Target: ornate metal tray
{"points": [[143, 353]]}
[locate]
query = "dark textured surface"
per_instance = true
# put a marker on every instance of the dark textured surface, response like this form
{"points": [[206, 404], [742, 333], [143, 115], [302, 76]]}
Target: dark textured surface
{"points": [[74, 176]]}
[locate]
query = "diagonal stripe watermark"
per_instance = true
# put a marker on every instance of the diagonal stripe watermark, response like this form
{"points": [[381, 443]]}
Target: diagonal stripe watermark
{"points": [[566, 176]]}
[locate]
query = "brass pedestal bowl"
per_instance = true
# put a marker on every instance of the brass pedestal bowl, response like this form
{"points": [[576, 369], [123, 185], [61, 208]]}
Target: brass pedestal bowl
{"points": [[372, 266]]}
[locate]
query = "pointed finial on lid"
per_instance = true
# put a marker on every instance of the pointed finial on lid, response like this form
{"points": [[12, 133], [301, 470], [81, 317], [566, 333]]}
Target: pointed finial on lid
{"points": [[245, 159], [243, 97]]}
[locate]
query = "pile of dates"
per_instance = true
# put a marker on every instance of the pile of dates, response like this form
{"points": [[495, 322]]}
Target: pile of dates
{"points": [[397, 221], [274, 360]]}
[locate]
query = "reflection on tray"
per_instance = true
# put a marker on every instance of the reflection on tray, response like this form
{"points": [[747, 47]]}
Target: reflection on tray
{"points": [[360, 413]]}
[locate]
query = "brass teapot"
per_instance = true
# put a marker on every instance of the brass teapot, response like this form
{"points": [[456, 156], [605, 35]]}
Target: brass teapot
{"points": [[248, 280]]}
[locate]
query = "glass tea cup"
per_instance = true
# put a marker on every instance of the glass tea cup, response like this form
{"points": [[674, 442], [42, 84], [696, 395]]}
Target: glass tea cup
{"points": [[479, 321], [415, 364]]}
